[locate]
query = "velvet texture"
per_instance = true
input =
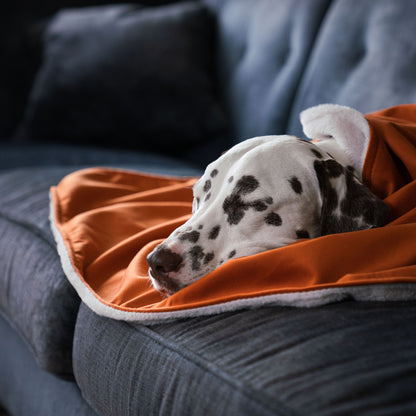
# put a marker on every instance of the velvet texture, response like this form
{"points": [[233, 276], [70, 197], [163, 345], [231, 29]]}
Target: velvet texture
{"points": [[127, 76]]}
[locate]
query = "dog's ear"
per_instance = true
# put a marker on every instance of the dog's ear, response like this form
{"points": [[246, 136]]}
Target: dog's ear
{"points": [[333, 123], [347, 205]]}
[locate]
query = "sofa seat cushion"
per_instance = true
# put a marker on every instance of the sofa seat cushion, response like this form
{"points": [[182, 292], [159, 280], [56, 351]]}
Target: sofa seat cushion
{"points": [[35, 296], [33, 391], [345, 358]]}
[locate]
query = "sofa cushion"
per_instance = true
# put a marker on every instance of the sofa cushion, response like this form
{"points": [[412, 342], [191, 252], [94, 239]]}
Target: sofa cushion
{"points": [[364, 57], [14, 156], [263, 49], [35, 296], [341, 359], [127, 75], [25, 389]]}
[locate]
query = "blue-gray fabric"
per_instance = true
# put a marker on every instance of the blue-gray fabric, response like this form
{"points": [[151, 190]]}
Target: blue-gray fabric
{"points": [[15, 156], [364, 57], [149, 85], [275, 58], [35, 295], [351, 358], [26, 390], [280, 57], [263, 49], [34, 292]]}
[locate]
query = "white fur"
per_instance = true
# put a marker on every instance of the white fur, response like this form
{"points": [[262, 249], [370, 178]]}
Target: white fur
{"points": [[272, 161], [343, 131]]}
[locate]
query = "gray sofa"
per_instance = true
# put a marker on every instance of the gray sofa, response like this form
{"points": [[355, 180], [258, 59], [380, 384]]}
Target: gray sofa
{"points": [[166, 89]]}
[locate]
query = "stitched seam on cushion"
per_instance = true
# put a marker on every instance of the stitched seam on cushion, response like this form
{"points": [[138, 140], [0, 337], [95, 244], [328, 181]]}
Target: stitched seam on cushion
{"points": [[201, 362], [14, 324], [301, 76], [29, 227]]}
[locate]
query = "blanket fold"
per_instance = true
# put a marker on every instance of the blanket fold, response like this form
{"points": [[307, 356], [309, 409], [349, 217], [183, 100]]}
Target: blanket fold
{"points": [[106, 221]]}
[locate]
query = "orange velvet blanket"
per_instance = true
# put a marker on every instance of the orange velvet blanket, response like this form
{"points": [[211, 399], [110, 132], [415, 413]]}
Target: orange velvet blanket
{"points": [[107, 221]]}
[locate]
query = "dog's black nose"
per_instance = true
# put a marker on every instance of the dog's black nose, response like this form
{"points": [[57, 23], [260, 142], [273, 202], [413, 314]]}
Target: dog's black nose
{"points": [[162, 261]]}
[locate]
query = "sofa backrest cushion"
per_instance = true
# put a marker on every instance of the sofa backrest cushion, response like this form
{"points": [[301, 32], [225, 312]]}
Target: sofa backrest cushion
{"points": [[364, 57], [127, 75], [264, 46], [277, 58]]}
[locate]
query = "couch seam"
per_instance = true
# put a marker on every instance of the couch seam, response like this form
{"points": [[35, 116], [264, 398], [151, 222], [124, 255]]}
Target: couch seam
{"points": [[15, 324], [302, 72], [28, 227]]}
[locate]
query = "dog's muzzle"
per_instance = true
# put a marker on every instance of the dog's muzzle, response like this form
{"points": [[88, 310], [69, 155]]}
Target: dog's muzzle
{"points": [[163, 262]]}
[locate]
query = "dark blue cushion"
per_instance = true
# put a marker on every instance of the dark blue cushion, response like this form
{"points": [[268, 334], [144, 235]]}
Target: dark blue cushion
{"points": [[128, 75], [350, 358]]}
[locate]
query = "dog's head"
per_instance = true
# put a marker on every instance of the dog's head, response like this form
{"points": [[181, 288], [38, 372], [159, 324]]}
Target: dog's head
{"points": [[263, 193]]}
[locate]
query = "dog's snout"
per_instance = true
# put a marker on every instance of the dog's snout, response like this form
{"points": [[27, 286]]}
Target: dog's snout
{"points": [[162, 261]]}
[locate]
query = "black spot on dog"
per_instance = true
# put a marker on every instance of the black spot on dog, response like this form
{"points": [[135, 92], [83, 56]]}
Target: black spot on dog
{"points": [[246, 184], [319, 168], [258, 205], [296, 184], [192, 236], [302, 234], [197, 254], [331, 199], [207, 185], [230, 179], [317, 154], [268, 200], [234, 207], [208, 257], [360, 202], [208, 196], [336, 224], [334, 168], [273, 219], [200, 227], [325, 170], [232, 254], [213, 234], [359, 209], [214, 173]]}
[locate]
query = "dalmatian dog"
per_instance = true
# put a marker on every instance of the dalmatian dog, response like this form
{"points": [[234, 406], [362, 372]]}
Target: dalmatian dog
{"points": [[270, 191]]}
